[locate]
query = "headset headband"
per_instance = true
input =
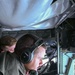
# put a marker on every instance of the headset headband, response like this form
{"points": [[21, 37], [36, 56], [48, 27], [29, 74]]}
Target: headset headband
{"points": [[38, 43]]}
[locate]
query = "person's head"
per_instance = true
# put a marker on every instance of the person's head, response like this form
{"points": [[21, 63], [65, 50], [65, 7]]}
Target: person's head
{"points": [[7, 43], [30, 49]]}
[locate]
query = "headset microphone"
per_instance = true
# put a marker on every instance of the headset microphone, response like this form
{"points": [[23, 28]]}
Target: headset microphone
{"points": [[33, 72]]}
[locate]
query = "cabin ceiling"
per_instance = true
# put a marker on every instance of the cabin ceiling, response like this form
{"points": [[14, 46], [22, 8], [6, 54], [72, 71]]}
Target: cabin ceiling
{"points": [[34, 14]]}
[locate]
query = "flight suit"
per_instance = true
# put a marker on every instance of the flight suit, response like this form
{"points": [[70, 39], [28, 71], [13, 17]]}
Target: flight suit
{"points": [[10, 64]]}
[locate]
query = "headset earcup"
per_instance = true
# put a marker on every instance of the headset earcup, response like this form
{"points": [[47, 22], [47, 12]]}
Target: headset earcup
{"points": [[26, 56]]}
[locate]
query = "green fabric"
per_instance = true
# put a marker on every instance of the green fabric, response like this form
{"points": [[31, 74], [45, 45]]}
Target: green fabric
{"points": [[10, 65]]}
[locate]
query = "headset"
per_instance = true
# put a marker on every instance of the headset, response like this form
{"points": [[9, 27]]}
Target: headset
{"points": [[28, 53]]}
